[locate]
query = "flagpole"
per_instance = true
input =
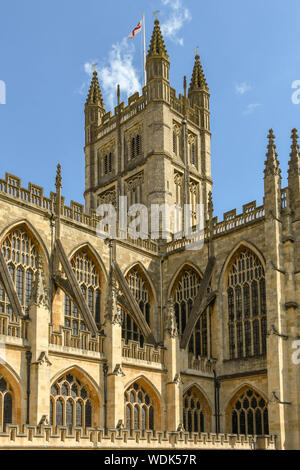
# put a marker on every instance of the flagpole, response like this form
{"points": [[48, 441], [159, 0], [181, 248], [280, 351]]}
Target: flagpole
{"points": [[144, 45]]}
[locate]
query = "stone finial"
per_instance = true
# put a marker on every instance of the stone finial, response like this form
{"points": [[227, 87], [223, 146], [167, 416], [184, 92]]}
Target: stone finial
{"points": [[118, 94], [39, 295], [294, 162], [184, 86], [271, 163], [157, 45], [94, 94], [198, 79], [58, 177], [171, 323]]}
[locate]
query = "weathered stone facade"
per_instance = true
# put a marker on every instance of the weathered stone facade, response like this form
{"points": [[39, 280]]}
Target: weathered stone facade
{"points": [[144, 343]]}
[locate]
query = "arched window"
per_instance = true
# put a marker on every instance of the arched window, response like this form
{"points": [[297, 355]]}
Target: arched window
{"points": [[70, 403], [141, 290], [88, 277], [176, 132], [174, 142], [195, 417], [184, 293], [6, 403], [193, 154], [246, 299], [139, 408], [249, 414], [130, 330], [20, 252]]}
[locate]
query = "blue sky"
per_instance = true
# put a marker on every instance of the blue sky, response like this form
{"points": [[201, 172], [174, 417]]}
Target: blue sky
{"points": [[250, 51]]}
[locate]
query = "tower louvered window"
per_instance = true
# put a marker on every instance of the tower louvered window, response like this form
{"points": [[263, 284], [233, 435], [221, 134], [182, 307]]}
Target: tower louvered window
{"points": [[246, 299], [6, 403], [136, 146], [88, 277], [20, 253], [108, 163], [249, 414], [70, 403], [185, 292], [139, 408]]}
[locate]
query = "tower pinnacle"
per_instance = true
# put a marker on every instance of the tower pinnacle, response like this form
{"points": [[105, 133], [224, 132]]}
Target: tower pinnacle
{"points": [[294, 162], [95, 95], [157, 45], [271, 162], [198, 78]]}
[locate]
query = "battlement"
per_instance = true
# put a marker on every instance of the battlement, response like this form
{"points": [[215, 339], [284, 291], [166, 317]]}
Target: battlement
{"points": [[138, 103], [61, 437], [33, 196]]}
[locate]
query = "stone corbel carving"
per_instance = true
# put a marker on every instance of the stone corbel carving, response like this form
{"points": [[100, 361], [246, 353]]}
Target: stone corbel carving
{"points": [[43, 359], [118, 371], [178, 379]]}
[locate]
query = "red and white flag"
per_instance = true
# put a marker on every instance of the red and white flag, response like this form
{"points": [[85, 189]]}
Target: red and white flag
{"points": [[136, 30]]}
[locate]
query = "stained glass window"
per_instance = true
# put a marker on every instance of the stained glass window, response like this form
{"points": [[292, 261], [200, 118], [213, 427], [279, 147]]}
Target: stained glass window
{"points": [[139, 408], [246, 306], [249, 414], [20, 252], [88, 277], [70, 403]]}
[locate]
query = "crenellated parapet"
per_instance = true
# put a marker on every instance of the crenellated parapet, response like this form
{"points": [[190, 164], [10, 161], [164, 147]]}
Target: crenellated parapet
{"points": [[44, 436]]}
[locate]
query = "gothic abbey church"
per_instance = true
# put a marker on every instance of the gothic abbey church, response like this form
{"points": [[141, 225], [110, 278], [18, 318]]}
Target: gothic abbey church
{"points": [[142, 343]]}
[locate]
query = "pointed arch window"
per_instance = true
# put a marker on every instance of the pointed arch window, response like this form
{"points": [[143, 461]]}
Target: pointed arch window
{"points": [[184, 294], [176, 132], [194, 415], [20, 252], [88, 277], [6, 403], [246, 300], [130, 330], [139, 408], [70, 403], [141, 291], [249, 414]]}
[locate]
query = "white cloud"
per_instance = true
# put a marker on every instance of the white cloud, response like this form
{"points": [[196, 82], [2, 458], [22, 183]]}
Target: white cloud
{"points": [[251, 108], [118, 69], [178, 16], [242, 88]]}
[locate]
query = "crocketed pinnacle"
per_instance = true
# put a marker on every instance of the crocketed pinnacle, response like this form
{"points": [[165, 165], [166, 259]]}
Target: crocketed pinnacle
{"points": [[95, 95], [294, 162], [198, 78], [271, 163], [58, 176], [157, 45], [210, 205]]}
